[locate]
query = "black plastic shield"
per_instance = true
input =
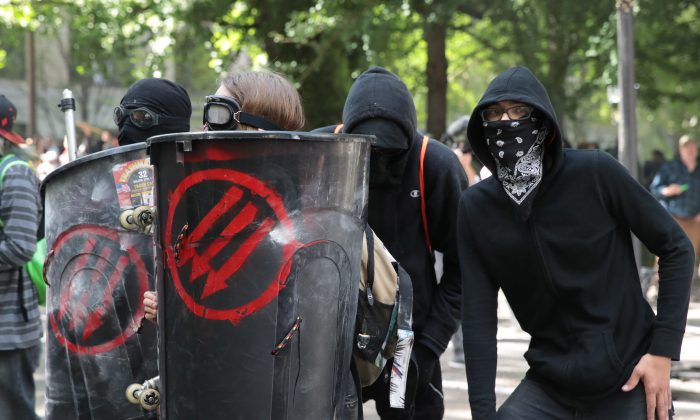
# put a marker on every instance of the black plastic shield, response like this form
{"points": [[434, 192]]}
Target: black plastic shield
{"points": [[259, 241], [97, 271]]}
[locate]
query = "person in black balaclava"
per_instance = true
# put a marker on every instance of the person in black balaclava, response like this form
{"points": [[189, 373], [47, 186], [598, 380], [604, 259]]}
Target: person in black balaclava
{"points": [[151, 107], [552, 229], [380, 104]]}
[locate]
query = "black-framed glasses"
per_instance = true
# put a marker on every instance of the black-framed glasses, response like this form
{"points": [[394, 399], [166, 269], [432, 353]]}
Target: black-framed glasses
{"points": [[141, 117], [517, 112], [224, 113]]}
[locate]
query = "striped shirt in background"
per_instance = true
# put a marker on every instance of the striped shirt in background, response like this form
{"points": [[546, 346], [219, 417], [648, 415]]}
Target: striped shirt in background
{"points": [[19, 210]]}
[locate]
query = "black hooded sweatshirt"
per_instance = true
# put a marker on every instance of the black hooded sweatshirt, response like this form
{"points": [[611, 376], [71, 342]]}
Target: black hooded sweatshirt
{"points": [[567, 269], [395, 210]]}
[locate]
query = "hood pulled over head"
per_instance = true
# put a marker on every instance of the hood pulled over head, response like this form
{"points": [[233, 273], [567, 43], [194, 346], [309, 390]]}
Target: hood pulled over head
{"points": [[380, 104], [518, 152]]}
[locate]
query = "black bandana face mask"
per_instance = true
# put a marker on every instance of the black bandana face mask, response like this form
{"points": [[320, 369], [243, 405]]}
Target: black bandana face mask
{"points": [[517, 146]]}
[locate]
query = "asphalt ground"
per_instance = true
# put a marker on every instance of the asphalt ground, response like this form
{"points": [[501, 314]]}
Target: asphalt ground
{"points": [[512, 343]]}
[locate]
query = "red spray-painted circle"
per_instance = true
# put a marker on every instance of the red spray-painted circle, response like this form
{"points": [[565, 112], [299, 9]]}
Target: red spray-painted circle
{"points": [[128, 260], [275, 203]]}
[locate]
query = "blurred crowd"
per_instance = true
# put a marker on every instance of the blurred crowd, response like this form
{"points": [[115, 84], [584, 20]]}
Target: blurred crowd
{"points": [[47, 153]]}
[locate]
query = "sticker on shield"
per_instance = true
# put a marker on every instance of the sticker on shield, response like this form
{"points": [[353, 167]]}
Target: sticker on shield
{"points": [[134, 183], [228, 243], [97, 283]]}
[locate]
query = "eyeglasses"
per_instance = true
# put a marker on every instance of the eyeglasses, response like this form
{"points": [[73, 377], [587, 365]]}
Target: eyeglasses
{"points": [[224, 113], [140, 117], [518, 112]]}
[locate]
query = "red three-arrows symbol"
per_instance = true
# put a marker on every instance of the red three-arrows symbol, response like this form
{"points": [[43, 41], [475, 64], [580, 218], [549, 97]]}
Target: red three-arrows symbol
{"points": [[219, 279], [216, 279], [83, 256]]}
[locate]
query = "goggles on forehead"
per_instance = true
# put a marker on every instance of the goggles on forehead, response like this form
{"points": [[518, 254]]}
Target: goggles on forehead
{"points": [[224, 113], [140, 117]]}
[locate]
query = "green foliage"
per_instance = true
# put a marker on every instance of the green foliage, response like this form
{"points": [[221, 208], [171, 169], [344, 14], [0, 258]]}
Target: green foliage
{"points": [[565, 42], [12, 52], [322, 45], [667, 48]]}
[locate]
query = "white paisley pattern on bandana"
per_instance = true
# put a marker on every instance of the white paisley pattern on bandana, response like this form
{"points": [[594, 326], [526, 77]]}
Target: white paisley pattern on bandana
{"points": [[527, 173]]}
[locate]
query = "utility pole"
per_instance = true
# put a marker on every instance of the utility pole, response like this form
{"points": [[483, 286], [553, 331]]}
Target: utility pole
{"points": [[30, 78], [627, 128]]}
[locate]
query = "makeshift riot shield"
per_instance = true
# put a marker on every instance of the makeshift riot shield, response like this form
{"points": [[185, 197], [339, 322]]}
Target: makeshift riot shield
{"points": [[259, 237], [99, 263]]}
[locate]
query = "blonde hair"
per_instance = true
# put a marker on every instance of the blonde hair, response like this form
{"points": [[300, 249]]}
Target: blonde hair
{"points": [[268, 95]]}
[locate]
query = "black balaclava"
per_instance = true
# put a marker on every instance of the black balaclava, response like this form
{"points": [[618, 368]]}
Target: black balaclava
{"points": [[389, 156], [379, 103], [518, 149], [161, 96]]}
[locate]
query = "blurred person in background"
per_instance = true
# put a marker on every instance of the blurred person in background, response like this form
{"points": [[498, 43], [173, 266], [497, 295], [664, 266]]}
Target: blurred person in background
{"points": [[677, 186], [20, 323], [651, 167], [108, 139]]}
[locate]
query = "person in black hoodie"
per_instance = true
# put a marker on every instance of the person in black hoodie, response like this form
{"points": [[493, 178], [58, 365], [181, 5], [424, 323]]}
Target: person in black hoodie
{"points": [[380, 104], [552, 229]]}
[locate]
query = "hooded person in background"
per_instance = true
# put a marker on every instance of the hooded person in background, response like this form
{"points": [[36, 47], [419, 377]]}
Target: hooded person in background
{"points": [[20, 323], [552, 228], [151, 107], [380, 104]]}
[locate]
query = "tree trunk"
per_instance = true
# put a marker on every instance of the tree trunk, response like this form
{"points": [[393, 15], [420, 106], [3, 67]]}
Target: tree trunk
{"points": [[436, 78]]}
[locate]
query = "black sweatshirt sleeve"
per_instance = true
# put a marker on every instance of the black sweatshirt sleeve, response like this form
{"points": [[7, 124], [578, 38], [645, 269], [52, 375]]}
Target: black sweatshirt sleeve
{"points": [[445, 180], [635, 208], [479, 322]]}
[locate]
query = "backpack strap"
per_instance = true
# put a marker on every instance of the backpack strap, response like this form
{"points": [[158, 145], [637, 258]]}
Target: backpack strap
{"points": [[369, 236], [421, 185], [7, 162], [338, 129]]}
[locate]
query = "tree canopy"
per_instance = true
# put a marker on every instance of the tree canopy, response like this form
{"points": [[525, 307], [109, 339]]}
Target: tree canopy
{"points": [[446, 51]]}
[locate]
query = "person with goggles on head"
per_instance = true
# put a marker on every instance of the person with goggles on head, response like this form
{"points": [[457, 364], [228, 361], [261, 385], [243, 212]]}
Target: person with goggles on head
{"points": [[255, 100], [262, 100], [151, 107]]}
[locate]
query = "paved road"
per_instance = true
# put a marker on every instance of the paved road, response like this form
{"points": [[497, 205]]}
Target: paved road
{"points": [[512, 343]]}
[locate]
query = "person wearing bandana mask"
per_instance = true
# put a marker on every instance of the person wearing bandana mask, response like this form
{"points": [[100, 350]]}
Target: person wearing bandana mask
{"points": [[380, 104], [151, 107], [552, 229]]}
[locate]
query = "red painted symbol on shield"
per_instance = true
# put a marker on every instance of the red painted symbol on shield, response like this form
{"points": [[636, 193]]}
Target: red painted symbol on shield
{"points": [[248, 213], [99, 287]]}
